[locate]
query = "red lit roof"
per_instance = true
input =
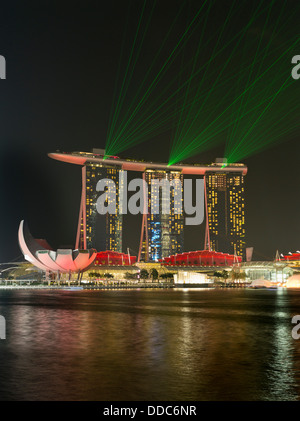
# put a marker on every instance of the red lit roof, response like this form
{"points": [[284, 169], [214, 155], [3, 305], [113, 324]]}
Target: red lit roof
{"points": [[114, 258], [205, 257], [293, 256]]}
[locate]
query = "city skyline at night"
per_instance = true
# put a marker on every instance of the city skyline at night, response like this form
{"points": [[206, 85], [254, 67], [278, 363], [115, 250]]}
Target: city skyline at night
{"points": [[149, 218], [56, 110]]}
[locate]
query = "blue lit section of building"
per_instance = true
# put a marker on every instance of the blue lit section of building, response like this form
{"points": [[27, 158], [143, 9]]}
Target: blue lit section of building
{"points": [[165, 231], [155, 238]]}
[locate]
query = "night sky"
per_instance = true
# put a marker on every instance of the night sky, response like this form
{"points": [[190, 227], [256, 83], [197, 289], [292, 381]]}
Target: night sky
{"points": [[62, 63]]}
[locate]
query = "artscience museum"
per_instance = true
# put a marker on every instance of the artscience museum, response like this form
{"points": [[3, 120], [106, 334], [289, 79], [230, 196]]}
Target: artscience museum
{"points": [[59, 261]]}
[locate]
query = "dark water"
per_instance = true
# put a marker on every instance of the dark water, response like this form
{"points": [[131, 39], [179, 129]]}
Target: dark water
{"points": [[149, 345]]}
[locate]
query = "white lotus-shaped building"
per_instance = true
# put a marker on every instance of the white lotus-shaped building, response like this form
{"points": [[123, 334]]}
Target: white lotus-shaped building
{"points": [[293, 281], [61, 260]]}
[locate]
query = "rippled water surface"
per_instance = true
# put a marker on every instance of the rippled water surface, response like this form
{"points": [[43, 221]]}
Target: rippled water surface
{"points": [[149, 345]]}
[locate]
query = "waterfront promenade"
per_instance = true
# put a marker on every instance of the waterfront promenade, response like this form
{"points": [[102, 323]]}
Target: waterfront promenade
{"points": [[89, 286]]}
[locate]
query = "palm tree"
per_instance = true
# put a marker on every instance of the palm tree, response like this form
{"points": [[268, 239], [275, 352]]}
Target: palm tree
{"points": [[154, 274], [144, 274], [225, 275]]}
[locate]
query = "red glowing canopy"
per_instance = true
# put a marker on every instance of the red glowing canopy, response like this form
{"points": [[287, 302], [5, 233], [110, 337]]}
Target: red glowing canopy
{"points": [[201, 258]]}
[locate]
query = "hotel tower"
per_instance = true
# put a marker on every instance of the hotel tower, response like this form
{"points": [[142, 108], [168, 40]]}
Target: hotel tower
{"points": [[101, 232], [162, 234], [225, 211]]}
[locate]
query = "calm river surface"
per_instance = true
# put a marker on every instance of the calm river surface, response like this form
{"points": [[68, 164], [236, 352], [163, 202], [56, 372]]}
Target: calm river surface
{"points": [[143, 345]]}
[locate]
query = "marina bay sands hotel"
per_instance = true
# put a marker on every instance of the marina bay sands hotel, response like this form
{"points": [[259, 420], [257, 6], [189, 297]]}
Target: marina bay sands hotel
{"points": [[161, 235]]}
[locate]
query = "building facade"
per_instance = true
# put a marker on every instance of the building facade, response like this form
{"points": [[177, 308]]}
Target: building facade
{"points": [[275, 272], [225, 195], [102, 232], [163, 231], [161, 234]]}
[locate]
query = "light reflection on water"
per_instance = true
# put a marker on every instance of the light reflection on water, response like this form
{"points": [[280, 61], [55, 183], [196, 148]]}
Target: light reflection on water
{"points": [[149, 345]]}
